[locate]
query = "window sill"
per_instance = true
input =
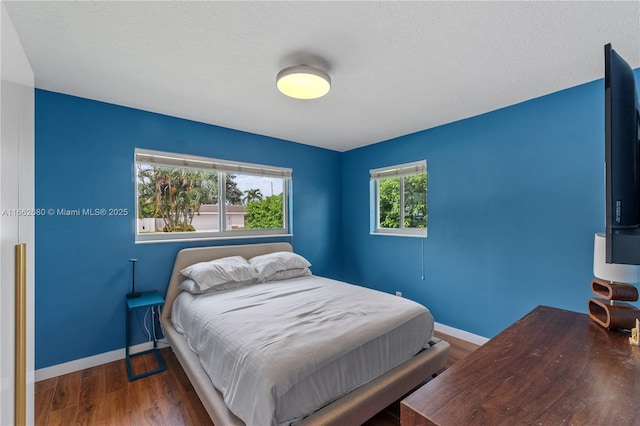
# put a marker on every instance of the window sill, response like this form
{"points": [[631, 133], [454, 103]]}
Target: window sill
{"points": [[159, 239], [400, 234]]}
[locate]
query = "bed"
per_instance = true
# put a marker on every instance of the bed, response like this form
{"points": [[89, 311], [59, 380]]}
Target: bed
{"points": [[354, 407]]}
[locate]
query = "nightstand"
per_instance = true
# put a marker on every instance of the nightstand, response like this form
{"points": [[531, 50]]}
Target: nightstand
{"points": [[146, 300]]}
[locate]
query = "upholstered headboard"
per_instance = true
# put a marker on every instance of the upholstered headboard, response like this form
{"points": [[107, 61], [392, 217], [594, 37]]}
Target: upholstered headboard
{"points": [[190, 256]]}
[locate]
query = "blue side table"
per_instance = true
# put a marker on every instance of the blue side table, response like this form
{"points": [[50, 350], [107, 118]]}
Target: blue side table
{"points": [[146, 300]]}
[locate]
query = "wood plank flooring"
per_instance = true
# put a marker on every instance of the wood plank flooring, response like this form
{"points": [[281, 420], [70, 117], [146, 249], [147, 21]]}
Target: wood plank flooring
{"points": [[103, 395]]}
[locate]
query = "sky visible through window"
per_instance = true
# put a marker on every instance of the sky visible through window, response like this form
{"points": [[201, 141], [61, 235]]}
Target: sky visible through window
{"points": [[268, 186]]}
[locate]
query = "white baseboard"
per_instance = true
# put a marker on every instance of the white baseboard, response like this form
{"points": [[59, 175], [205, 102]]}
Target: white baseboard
{"points": [[92, 361], [461, 334]]}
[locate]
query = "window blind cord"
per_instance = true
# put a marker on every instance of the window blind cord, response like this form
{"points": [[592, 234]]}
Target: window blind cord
{"points": [[422, 259]]}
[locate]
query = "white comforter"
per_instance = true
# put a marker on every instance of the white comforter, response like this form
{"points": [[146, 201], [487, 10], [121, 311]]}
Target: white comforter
{"points": [[279, 351]]}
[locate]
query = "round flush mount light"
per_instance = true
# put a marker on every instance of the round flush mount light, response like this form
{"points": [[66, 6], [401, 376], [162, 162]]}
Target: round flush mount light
{"points": [[303, 82]]}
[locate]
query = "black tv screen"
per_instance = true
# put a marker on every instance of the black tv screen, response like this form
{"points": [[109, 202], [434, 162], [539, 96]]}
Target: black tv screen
{"points": [[622, 161]]}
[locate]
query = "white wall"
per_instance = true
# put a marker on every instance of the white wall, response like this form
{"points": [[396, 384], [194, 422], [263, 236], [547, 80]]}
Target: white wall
{"points": [[16, 193]]}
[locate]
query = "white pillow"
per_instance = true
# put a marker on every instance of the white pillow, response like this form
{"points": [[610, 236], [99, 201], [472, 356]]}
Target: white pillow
{"points": [[191, 286], [268, 264], [219, 272], [289, 273]]}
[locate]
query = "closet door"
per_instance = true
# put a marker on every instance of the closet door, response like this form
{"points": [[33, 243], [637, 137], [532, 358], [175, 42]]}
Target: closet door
{"points": [[17, 227]]}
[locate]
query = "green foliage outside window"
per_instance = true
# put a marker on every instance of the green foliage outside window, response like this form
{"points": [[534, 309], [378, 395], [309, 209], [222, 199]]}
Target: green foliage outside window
{"points": [[389, 195], [252, 195], [176, 194], [415, 206], [265, 214], [415, 201]]}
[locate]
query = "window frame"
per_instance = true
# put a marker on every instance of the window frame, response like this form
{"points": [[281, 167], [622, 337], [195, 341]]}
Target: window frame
{"points": [[400, 171], [222, 168]]}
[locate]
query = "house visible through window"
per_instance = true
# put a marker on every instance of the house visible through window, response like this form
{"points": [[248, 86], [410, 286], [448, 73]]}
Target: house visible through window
{"points": [[187, 197], [399, 199]]}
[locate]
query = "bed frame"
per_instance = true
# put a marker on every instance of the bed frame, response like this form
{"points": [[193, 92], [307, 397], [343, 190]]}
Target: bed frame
{"points": [[354, 408]]}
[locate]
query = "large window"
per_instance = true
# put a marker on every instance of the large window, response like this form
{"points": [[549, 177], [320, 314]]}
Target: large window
{"points": [[399, 199], [188, 197]]}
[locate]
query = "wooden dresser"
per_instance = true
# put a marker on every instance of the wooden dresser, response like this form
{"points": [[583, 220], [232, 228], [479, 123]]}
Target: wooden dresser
{"points": [[551, 367]]}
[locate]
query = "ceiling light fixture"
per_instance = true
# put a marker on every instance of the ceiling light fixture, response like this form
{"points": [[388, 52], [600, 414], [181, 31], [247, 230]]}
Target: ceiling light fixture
{"points": [[303, 82]]}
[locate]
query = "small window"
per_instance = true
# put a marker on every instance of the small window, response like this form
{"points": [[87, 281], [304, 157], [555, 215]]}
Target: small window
{"points": [[399, 199], [184, 197]]}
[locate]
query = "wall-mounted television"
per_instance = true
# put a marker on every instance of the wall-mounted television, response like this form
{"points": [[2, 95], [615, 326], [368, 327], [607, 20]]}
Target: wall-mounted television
{"points": [[622, 161]]}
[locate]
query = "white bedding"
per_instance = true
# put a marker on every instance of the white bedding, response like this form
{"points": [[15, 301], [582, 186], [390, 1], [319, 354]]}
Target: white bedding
{"points": [[279, 351]]}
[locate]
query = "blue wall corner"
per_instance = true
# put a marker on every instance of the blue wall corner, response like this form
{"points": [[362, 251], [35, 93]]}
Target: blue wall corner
{"points": [[515, 197]]}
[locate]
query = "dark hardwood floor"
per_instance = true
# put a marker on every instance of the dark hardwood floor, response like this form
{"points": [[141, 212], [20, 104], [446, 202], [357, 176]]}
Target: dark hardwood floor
{"points": [[104, 396]]}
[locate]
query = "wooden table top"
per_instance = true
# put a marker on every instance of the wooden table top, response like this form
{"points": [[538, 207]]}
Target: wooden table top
{"points": [[551, 367]]}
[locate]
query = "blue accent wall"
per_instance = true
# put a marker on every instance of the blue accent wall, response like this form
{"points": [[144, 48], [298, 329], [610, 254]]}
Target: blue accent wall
{"points": [[514, 199], [84, 159]]}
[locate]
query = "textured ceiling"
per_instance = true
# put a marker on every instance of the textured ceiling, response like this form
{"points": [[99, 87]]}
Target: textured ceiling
{"points": [[396, 67]]}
